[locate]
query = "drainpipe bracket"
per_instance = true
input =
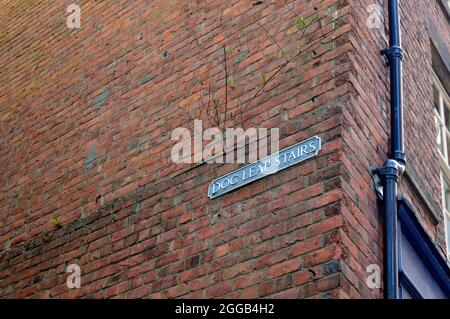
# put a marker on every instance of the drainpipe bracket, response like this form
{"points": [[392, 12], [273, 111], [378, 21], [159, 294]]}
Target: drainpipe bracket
{"points": [[391, 53], [392, 169], [377, 183]]}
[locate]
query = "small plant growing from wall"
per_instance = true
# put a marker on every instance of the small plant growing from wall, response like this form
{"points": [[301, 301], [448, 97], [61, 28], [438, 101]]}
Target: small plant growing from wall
{"points": [[216, 106], [56, 222]]}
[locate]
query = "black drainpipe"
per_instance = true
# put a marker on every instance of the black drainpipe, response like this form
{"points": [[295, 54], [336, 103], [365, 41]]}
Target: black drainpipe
{"points": [[395, 165]]}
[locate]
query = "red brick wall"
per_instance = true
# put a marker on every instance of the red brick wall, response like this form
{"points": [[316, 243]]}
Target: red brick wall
{"points": [[85, 138]]}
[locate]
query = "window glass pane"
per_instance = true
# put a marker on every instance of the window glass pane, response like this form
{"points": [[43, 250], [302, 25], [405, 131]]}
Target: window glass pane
{"points": [[448, 234], [447, 114], [446, 195], [436, 99], [448, 144], [438, 135]]}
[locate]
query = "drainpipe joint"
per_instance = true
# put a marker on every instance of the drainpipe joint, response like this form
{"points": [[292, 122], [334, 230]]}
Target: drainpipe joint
{"points": [[392, 169], [393, 52]]}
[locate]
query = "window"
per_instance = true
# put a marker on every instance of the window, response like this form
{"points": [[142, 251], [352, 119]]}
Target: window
{"points": [[442, 122], [423, 273]]}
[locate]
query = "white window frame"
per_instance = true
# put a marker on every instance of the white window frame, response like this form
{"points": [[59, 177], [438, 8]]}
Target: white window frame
{"points": [[443, 158]]}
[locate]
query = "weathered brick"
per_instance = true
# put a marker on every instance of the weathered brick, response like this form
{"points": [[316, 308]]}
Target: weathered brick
{"points": [[218, 290], [284, 267]]}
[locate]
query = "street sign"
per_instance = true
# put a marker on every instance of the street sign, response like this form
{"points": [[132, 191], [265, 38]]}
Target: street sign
{"points": [[264, 167]]}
